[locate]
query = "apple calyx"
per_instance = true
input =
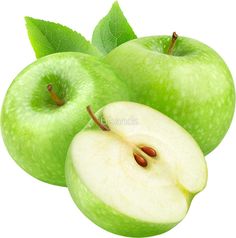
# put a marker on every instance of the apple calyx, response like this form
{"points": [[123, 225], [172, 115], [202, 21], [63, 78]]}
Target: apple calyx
{"points": [[141, 153], [54, 96], [172, 44]]}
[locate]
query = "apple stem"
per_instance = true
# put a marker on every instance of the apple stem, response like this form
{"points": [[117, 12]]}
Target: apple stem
{"points": [[172, 44], [54, 96], [95, 119]]}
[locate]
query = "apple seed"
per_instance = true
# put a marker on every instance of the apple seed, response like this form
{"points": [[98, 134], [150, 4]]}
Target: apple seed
{"points": [[149, 151], [140, 160]]}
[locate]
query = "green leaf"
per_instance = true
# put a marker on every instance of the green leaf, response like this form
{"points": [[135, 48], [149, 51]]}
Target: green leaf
{"points": [[112, 31], [48, 38]]}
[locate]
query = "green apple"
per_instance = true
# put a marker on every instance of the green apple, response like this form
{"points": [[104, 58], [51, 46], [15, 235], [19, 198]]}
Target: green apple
{"points": [[138, 175], [184, 79], [45, 107]]}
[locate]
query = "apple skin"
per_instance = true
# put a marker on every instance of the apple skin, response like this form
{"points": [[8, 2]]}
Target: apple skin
{"points": [[37, 132], [193, 86], [105, 216]]}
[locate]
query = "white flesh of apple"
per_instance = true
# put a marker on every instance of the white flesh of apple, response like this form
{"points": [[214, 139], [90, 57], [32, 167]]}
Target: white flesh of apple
{"points": [[158, 193]]}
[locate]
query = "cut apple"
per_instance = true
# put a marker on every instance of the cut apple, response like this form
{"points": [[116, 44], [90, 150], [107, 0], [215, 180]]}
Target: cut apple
{"points": [[142, 170]]}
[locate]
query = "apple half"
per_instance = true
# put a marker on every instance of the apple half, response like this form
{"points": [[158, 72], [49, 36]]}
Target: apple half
{"points": [[137, 176]]}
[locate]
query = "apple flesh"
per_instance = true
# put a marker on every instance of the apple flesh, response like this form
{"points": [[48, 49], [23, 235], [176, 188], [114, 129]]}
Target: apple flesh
{"points": [[45, 107], [121, 193], [193, 85]]}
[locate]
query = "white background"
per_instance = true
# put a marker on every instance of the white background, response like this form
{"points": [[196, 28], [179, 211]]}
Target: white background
{"points": [[30, 208]]}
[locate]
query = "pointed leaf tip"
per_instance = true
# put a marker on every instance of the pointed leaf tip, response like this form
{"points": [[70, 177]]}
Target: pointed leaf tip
{"points": [[112, 31], [49, 37]]}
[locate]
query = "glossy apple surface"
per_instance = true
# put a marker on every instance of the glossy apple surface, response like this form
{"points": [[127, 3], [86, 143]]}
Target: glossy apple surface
{"points": [[193, 86], [121, 193], [36, 131]]}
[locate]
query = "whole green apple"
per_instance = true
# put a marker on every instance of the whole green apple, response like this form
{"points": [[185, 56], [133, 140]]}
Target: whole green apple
{"points": [[137, 174], [45, 107], [184, 79]]}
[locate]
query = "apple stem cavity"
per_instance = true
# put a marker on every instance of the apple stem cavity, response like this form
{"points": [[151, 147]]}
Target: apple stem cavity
{"points": [[54, 96], [172, 44], [95, 119]]}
